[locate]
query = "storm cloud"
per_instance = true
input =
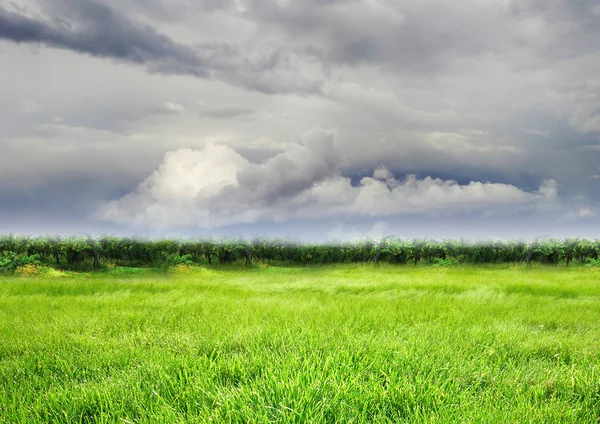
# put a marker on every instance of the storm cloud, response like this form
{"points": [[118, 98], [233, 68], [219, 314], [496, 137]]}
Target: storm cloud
{"points": [[216, 114], [95, 29]]}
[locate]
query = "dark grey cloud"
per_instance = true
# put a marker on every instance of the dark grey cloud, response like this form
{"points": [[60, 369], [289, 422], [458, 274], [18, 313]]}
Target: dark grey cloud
{"points": [[96, 29], [411, 36], [425, 36], [289, 173]]}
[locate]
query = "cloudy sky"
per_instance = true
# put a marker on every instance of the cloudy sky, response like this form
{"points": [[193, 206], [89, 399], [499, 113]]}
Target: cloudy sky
{"points": [[312, 119]]}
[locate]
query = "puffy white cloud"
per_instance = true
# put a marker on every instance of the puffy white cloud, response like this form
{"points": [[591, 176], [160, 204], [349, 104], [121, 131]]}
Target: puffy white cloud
{"points": [[217, 187]]}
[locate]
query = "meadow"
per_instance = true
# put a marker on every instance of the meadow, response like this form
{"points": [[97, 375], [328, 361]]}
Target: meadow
{"points": [[340, 343]]}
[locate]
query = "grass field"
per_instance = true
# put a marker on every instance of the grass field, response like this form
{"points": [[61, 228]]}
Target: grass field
{"points": [[325, 344]]}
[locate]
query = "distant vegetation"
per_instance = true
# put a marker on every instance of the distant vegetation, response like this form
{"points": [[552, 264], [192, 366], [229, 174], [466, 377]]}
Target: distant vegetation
{"points": [[87, 253]]}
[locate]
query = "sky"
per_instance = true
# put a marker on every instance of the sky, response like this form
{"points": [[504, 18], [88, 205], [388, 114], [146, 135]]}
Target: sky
{"points": [[313, 119]]}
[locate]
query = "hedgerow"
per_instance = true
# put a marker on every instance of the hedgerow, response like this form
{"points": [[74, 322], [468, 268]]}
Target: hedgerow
{"points": [[86, 252]]}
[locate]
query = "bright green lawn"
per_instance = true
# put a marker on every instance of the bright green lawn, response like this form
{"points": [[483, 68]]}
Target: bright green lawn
{"points": [[331, 344]]}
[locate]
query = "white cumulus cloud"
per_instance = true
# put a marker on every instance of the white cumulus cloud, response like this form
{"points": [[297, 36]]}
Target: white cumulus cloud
{"points": [[217, 187]]}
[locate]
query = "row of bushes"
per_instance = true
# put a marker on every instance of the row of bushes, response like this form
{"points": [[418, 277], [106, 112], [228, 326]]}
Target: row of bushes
{"points": [[89, 252]]}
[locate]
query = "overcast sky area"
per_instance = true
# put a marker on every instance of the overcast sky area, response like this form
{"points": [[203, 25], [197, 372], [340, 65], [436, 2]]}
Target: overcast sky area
{"points": [[313, 119]]}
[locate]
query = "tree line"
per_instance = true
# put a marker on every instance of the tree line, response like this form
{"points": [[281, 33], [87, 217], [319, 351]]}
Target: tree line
{"points": [[87, 252]]}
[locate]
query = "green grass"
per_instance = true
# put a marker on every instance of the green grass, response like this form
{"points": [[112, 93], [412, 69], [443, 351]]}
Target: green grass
{"points": [[330, 344]]}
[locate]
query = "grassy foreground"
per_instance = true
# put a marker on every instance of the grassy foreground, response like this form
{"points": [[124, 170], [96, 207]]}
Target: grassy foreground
{"points": [[330, 344]]}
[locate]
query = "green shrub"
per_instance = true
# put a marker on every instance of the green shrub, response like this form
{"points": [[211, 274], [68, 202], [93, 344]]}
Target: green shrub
{"points": [[439, 262], [10, 261], [175, 260]]}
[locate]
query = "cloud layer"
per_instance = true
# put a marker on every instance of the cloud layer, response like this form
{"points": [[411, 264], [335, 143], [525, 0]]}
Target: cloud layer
{"points": [[217, 187], [469, 108], [95, 29]]}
